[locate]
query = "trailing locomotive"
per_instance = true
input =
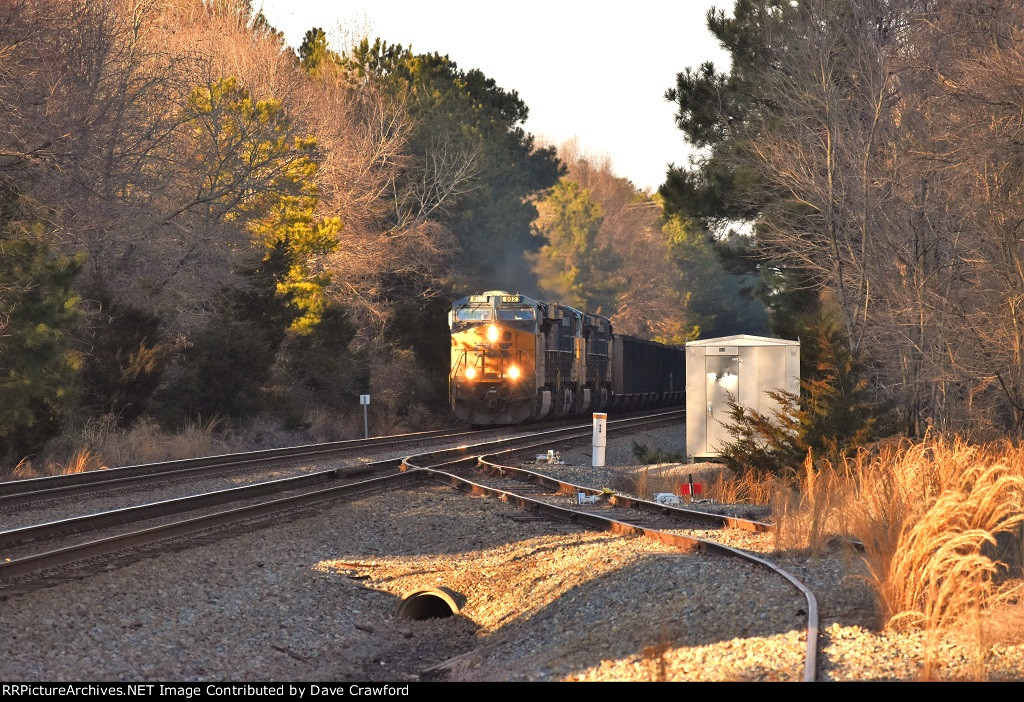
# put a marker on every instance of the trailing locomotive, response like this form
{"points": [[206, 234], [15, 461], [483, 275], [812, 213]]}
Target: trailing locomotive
{"points": [[516, 359]]}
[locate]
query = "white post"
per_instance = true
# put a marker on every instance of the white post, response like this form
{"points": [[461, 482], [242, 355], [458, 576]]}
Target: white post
{"points": [[600, 439], [364, 400]]}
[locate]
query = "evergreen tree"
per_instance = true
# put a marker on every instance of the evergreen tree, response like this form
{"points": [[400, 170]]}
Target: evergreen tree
{"points": [[834, 414], [322, 366], [314, 55], [469, 131], [721, 188], [719, 300], [714, 107], [123, 357], [226, 369], [255, 169], [572, 266], [37, 309]]}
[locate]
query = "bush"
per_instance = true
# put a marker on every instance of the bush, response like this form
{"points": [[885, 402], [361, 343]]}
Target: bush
{"points": [[222, 374], [322, 367], [124, 359]]}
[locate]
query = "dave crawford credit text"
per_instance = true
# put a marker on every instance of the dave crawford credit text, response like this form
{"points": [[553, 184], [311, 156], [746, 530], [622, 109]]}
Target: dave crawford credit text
{"points": [[212, 690]]}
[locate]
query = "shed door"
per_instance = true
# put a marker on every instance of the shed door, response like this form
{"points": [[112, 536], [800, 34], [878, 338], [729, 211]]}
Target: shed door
{"points": [[722, 374]]}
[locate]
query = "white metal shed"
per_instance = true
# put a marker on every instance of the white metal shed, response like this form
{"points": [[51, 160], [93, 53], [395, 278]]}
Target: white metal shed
{"points": [[741, 368]]}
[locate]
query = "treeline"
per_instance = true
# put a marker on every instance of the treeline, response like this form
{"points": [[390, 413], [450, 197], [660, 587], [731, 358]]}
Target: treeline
{"points": [[611, 249], [198, 221], [874, 146]]}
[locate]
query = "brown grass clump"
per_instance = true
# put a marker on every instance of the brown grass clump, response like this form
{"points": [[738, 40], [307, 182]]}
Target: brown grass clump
{"points": [[748, 488], [146, 442], [102, 443], [929, 517], [80, 462], [932, 544], [811, 507], [936, 569], [83, 460], [647, 481], [940, 522]]}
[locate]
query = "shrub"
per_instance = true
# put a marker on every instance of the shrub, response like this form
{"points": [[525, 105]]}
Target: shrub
{"points": [[124, 359], [37, 309]]}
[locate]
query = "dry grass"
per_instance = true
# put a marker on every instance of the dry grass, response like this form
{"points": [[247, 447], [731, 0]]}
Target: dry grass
{"points": [[940, 522], [145, 442], [81, 461], [325, 426], [719, 482], [811, 507], [647, 481], [748, 488], [101, 444]]}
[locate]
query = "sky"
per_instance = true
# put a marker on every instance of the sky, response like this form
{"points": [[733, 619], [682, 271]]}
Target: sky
{"points": [[599, 76]]}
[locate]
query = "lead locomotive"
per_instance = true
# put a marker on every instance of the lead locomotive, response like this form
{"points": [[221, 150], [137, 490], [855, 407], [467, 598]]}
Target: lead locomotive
{"points": [[516, 359]]}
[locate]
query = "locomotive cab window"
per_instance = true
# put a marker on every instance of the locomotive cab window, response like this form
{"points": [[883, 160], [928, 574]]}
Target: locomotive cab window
{"points": [[517, 314], [473, 314]]}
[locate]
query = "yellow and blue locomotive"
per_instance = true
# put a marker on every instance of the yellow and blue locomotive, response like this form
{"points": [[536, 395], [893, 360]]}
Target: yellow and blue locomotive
{"points": [[517, 359]]}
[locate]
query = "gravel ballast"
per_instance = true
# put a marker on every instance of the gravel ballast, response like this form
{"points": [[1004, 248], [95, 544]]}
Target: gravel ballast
{"points": [[316, 600]]}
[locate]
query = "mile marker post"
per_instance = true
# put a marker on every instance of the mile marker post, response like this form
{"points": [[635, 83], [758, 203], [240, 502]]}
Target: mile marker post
{"points": [[364, 400], [600, 438]]}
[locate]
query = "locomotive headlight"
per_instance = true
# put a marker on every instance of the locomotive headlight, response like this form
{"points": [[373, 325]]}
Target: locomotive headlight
{"points": [[470, 373], [493, 333], [513, 372]]}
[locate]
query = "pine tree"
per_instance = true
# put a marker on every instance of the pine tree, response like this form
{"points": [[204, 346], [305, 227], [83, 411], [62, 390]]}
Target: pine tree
{"points": [[255, 169], [468, 130], [37, 309], [571, 265], [834, 414]]}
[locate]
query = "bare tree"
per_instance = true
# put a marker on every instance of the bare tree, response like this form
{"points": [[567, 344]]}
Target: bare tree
{"points": [[888, 135]]}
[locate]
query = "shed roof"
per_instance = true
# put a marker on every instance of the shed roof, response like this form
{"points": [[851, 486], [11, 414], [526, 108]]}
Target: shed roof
{"points": [[743, 340]]}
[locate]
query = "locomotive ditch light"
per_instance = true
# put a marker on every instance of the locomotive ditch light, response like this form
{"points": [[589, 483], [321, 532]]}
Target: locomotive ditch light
{"points": [[513, 372], [470, 373], [493, 333]]}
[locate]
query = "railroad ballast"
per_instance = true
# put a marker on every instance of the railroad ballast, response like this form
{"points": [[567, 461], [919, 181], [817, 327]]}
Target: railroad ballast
{"points": [[516, 359]]}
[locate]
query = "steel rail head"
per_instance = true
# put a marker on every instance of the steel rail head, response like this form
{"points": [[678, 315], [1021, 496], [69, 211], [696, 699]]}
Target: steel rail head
{"points": [[99, 520], [537, 438], [56, 558], [627, 502], [155, 509], [56, 482], [17, 492], [685, 543]]}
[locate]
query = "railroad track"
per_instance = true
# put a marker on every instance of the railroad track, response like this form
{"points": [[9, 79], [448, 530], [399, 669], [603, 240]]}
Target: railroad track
{"points": [[17, 493], [488, 476], [43, 554], [47, 557], [36, 492]]}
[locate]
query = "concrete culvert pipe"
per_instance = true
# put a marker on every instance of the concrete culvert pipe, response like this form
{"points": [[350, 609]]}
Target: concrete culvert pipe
{"points": [[431, 603]]}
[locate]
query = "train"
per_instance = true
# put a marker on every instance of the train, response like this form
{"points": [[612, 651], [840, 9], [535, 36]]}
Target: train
{"points": [[515, 359]]}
